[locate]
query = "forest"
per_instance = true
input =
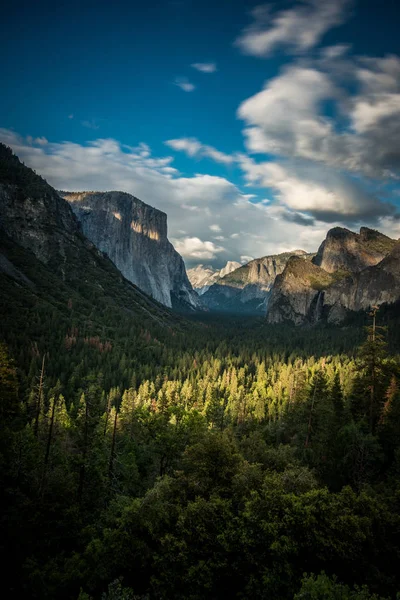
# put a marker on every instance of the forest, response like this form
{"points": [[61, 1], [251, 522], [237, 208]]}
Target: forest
{"points": [[211, 458]]}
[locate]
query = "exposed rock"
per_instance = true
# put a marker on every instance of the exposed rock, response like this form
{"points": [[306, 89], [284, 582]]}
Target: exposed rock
{"points": [[297, 295], [345, 250], [39, 230], [134, 236], [371, 287], [247, 289], [202, 277], [32, 213], [361, 270]]}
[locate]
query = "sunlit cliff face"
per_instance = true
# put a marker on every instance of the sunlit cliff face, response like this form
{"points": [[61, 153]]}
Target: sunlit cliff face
{"points": [[134, 236], [138, 228]]}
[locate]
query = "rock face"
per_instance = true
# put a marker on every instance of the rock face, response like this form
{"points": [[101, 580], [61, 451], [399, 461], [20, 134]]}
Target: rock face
{"points": [[297, 295], [33, 215], [134, 236], [39, 232], [202, 277], [344, 250], [351, 272], [247, 289]]}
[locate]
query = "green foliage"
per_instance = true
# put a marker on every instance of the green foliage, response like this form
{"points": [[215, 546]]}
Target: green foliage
{"points": [[316, 588], [210, 458]]}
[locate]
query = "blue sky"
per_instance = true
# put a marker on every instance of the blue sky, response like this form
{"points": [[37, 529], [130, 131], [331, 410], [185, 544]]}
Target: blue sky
{"points": [[255, 127]]}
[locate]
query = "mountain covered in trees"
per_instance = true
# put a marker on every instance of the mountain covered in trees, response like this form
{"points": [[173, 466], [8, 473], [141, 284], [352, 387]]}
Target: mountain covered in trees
{"points": [[147, 456], [47, 264], [351, 272], [134, 236]]}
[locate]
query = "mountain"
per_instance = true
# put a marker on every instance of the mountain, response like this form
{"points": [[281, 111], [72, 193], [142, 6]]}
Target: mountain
{"points": [[202, 277], [247, 289], [350, 272], [49, 271], [134, 236], [353, 252]]}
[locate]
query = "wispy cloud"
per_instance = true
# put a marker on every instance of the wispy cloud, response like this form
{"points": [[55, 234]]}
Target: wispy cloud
{"points": [[192, 147], [184, 84], [192, 203], [194, 247], [205, 67], [90, 124], [295, 29], [39, 141], [287, 117]]}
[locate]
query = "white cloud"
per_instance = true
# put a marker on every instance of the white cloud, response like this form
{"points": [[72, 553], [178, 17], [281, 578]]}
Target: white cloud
{"points": [[42, 141], [325, 194], [284, 118], [246, 259], [39, 141], [288, 117], [191, 203], [192, 147], [336, 51], [184, 84], [215, 228], [297, 29], [368, 112], [205, 67], [194, 247]]}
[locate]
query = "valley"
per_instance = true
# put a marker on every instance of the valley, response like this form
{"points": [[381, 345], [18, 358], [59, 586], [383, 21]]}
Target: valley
{"points": [[157, 444]]}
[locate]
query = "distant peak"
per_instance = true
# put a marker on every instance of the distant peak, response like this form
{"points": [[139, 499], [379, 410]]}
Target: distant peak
{"points": [[367, 234], [340, 232]]}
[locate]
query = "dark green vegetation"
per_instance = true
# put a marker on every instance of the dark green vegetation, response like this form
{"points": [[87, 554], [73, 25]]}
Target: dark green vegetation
{"points": [[151, 457], [222, 462]]}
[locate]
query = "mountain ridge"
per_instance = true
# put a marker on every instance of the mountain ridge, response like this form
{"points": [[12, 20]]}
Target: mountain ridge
{"points": [[247, 288], [42, 242], [202, 277], [359, 271]]}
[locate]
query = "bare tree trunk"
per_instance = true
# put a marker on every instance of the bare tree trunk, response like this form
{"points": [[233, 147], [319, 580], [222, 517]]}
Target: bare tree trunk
{"points": [[112, 453], [49, 440], [39, 399], [107, 413], [84, 454]]}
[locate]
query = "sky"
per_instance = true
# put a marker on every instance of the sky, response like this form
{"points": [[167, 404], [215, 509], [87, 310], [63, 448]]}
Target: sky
{"points": [[255, 127]]}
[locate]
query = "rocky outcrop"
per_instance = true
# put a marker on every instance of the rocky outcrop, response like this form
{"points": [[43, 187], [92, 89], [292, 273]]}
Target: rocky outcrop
{"points": [[32, 213], [134, 236], [202, 277], [348, 251], [247, 289], [360, 271], [373, 286], [40, 233], [298, 293]]}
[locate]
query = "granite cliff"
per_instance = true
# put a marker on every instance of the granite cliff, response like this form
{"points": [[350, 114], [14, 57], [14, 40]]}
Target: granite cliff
{"points": [[134, 236], [45, 260], [350, 272], [345, 250], [247, 289]]}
